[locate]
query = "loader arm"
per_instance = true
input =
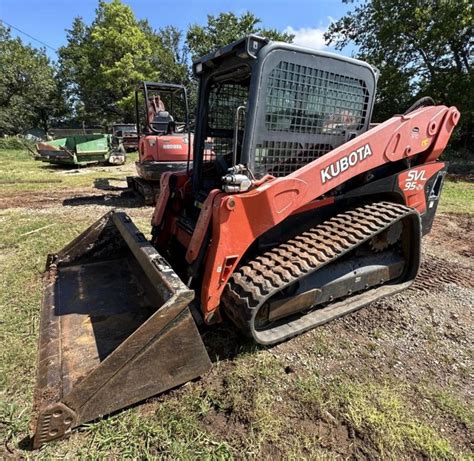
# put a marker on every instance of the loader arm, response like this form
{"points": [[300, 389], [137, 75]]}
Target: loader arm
{"points": [[248, 215]]}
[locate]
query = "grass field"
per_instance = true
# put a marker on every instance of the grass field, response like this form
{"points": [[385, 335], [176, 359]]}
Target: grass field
{"points": [[385, 383]]}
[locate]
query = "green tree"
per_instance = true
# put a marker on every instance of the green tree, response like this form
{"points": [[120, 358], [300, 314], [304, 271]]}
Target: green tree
{"points": [[225, 28], [73, 65], [422, 48], [102, 63], [172, 55], [29, 92]]}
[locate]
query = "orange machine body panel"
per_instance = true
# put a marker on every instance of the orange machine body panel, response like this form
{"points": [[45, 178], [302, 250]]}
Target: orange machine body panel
{"points": [[239, 219], [165, 148]]}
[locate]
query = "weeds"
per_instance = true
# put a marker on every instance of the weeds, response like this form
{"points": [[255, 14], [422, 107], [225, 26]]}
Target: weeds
{"points": [[449, 404], [379, 411]]}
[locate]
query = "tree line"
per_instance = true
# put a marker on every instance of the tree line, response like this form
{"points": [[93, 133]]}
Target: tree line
{"points": [[420, 47], [97, 70]]}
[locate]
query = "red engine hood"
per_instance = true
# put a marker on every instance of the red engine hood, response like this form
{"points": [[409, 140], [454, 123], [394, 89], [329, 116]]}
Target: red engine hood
{"points": [[166, 148]]}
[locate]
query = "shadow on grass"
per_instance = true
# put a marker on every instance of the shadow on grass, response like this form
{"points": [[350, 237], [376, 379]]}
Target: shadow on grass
{"points": [[105, 184], [224, 342], [126, 199], [26, 443], [60, 166], [70, 167]]}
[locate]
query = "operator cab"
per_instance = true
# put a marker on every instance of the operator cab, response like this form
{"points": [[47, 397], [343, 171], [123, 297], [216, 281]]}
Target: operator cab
{"points": [[271, 108], [162, 108], [124, 129]]}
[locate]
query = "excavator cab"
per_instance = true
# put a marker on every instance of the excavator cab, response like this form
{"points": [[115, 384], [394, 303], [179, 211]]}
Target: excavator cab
{"points": [[163, 126], [294, 213], [161, 108]]}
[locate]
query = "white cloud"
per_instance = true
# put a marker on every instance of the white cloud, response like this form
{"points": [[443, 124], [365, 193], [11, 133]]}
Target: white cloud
{"points": [[307, 36]]}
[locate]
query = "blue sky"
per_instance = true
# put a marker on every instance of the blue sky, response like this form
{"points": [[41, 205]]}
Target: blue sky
{"points": [[48, 19]]}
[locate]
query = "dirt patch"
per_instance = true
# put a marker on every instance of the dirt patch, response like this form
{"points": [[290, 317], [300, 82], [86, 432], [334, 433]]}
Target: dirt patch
{"points": [[453, 232], [435, 273], [78, 197], [419, 339], [40, 199], [460, 177], [225, 426]]}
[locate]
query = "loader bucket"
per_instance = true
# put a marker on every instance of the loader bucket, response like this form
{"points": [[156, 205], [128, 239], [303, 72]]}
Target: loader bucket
{"points": [[115, 328]]}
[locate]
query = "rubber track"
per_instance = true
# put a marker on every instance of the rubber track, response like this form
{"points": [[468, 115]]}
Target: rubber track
{"points": [[252, 284]]}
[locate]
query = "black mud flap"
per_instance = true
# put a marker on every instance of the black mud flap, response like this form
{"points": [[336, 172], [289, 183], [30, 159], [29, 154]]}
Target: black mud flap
{"points": [[115, 329]]}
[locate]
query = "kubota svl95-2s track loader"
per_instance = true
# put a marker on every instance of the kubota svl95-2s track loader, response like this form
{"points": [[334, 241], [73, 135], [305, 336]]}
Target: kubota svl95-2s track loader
{"points": [[165, 144], [297, 215]]}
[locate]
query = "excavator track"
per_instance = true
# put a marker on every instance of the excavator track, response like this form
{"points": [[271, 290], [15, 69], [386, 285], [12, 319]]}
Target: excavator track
{"points": [[144, 188], [256, 283]]}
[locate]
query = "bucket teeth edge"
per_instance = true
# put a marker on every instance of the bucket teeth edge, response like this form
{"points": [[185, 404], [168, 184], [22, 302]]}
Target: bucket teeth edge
{"points": [[54, 422]]}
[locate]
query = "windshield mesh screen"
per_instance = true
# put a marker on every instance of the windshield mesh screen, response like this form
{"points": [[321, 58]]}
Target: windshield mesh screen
{"points": [[313, 110]]}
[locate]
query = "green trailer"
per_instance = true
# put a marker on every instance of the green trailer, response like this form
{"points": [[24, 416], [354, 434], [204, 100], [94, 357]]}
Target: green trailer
{"points": [[80, 150]]}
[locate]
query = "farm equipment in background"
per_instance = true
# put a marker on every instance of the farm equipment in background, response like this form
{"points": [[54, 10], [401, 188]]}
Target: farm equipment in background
{"points": [[80, 150], [297, 215], [125, 134], [164, 143]]}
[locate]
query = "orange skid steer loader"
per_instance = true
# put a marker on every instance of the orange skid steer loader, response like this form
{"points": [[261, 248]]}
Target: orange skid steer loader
{"points": [[297, 214]]}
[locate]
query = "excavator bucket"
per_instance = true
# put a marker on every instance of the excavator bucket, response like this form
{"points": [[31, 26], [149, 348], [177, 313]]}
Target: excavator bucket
{"points": [[115, 328]]}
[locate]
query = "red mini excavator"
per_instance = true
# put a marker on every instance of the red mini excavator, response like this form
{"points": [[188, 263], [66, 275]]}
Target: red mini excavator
{"points": [[165, 144], [296, 215]]}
